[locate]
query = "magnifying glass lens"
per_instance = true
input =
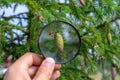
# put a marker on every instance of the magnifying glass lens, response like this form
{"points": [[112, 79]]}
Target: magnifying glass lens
{"points": [[59, 40]]}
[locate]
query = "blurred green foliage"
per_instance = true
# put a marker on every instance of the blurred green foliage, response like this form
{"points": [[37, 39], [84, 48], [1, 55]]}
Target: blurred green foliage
{"points": [[94, 21]]}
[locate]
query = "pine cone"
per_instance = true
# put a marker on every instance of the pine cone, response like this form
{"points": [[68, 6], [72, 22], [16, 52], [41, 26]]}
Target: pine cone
{"points": [[109, 38], [82, 2], [59, 41]]}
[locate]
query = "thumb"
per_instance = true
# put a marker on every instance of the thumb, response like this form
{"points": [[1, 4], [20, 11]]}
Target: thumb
{"points": [[45, 70]]}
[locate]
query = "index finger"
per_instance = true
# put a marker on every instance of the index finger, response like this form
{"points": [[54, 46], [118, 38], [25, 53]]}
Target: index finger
{"points": [[30, 59]]}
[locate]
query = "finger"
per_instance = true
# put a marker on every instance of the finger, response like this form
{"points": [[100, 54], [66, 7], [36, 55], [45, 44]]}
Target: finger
{"points": [[29, 59], [55, 75], [32, 70], [57, 66], [46, 69]]}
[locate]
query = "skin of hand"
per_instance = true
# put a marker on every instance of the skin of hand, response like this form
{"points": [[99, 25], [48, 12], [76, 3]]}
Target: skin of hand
{"points": [[33, 67]]}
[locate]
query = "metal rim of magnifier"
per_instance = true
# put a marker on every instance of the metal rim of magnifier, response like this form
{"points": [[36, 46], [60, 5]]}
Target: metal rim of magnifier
{"points": [[78, 34]]}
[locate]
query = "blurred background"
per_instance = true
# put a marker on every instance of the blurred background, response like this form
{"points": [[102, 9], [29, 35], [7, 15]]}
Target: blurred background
{"points": [[98, 22]]}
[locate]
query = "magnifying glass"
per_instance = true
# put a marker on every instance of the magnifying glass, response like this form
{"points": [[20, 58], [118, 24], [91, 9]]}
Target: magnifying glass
{"points": [[59, 40]]}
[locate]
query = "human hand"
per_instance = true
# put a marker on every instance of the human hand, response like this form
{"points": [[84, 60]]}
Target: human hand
{"points": [[33, 67]]}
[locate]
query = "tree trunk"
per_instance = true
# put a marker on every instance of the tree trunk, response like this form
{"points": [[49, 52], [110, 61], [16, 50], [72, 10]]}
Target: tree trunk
{"points": [[113, 72]]}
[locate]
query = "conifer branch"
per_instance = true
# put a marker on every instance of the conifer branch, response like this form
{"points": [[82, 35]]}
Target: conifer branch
{"points": [[103, 24], [14, 16], [6, 25], [111, 20]]}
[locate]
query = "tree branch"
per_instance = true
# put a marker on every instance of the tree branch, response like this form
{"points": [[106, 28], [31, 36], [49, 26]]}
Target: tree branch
{"points": [[14, 16], [112, 20], [102, 25]]}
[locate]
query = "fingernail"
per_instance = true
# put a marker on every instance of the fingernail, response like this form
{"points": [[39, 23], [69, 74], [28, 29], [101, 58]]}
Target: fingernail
{"points": [[49, 62]]}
